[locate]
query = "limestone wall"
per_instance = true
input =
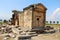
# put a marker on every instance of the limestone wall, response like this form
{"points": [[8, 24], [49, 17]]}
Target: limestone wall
{"points": [[27, 19], [39, 17], [20, 19]]}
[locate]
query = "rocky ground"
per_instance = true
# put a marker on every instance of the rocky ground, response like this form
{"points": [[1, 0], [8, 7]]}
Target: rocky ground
{"points": [[14, 32], [49, 36], [54, 36]]}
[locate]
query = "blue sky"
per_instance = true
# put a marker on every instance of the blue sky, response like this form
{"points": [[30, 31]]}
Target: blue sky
{"points": [[6, 7]]}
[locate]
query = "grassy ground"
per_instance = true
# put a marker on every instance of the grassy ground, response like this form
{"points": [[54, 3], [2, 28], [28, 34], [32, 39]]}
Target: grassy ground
{"points": [[53, 25]]}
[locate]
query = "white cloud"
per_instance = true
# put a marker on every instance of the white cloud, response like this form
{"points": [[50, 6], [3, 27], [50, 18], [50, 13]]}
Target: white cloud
{"points": [[5, 15], [55, 16]]}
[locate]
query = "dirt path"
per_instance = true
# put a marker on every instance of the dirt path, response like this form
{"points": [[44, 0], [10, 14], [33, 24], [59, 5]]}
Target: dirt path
{"points": [[54, 36]]}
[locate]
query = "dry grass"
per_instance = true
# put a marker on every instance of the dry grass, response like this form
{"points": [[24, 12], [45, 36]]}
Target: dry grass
{"points": [[53, 25]]}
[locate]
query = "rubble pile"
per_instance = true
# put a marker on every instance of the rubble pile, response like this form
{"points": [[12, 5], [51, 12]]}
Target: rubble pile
{"points": [[14, 32]]}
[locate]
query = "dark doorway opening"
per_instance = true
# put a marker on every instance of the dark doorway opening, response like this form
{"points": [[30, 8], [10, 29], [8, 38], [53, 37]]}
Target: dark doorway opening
{"points": [[38, 19]]}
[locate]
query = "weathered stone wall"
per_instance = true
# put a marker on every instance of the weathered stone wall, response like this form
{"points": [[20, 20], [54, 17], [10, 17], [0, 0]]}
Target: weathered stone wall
{"points": [[13, 19], [31, 17], [38, 16], [28, 19], [38, 19], [20, 19]]}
